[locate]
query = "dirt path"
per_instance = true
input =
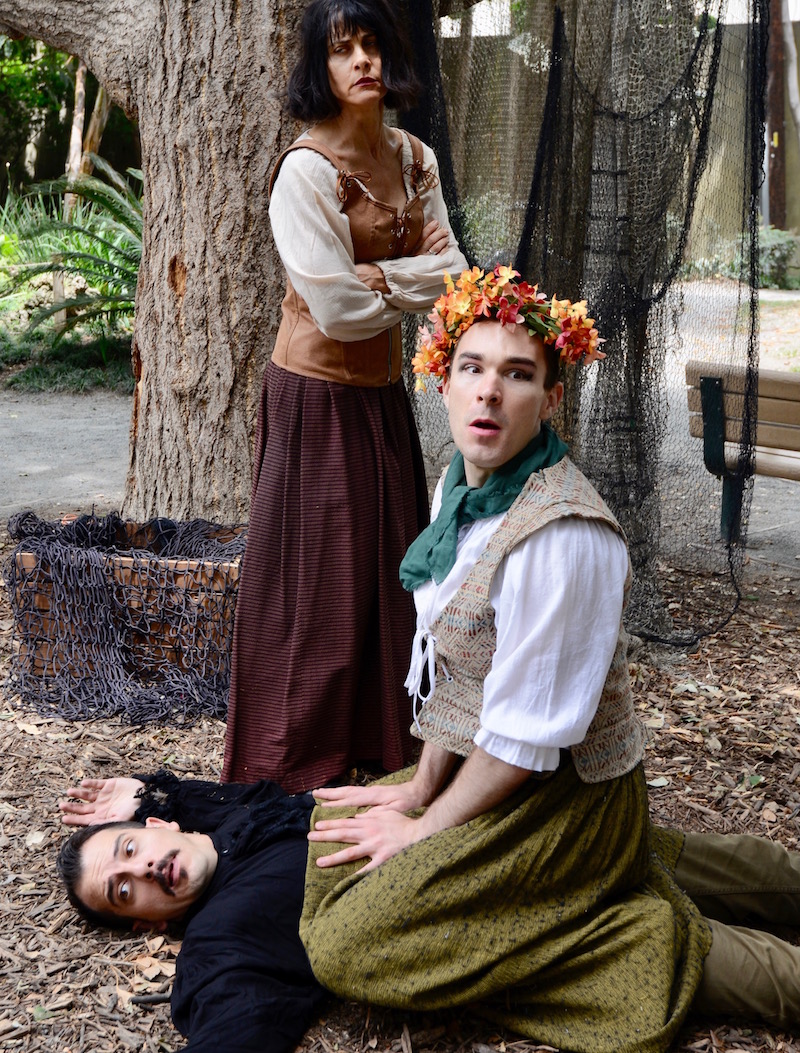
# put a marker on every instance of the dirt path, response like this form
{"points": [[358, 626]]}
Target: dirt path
{"points": [[62, 453]]}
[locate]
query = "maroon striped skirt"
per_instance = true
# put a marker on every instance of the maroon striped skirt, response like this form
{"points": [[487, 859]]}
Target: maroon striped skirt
{"points": [[323, 627]]}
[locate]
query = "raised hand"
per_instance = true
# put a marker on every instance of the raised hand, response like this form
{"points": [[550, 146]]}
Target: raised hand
{"points": [[433, 239], [100, 801]]}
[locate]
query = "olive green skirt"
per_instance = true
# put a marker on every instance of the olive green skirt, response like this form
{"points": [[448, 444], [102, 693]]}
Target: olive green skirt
{"points": [[555, 912]]}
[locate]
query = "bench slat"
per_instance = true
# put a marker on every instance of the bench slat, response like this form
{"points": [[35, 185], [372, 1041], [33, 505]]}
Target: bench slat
{"points": [[772, 383], [779, 465], [770, 436], [767, 462], [771, 411]]}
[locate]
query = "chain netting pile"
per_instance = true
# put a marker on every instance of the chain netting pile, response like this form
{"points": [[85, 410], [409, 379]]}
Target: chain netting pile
{"points": [[123, 619], [612, 149]]}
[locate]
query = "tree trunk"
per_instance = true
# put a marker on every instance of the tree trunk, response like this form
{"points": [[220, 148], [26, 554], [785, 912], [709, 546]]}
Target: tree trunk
{"points": [[205, 79], [94, 133], [459, 119], [775, 119], [73, 165], [71, 168], [790, 67]]}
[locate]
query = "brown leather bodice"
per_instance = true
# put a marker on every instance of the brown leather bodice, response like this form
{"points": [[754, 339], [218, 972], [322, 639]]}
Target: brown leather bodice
{"points": [[378, 232]]}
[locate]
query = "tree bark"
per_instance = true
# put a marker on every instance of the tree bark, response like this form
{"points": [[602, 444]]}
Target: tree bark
{"points": [[775, 118], [73, 165], [205, 78], [71, 168]]}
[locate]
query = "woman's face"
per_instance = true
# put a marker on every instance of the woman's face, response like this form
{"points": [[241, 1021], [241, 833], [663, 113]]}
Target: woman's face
{"points": [[354, 68]]}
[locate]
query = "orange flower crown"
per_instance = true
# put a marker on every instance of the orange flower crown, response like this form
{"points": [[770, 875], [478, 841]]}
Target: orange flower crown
{"points": [[498, 296]]}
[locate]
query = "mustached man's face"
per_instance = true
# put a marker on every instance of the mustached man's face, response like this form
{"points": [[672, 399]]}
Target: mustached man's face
{"points": [[150, 874], [496, 396]]}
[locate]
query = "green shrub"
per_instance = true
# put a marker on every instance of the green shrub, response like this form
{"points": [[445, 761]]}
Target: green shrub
{"points": [[98, 252], [80, 361], [716, 266], [776, 248]]}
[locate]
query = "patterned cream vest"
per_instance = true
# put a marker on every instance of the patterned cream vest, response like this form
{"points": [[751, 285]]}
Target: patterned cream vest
{"points": [[466, 638]]}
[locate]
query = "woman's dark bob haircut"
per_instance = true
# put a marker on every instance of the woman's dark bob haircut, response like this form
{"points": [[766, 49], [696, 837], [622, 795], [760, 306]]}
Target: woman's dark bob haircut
{"points": [[310, 98]]}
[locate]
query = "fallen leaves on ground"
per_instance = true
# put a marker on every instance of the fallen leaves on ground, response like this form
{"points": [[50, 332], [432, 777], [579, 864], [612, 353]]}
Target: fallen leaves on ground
{"points": [[723, 724]]}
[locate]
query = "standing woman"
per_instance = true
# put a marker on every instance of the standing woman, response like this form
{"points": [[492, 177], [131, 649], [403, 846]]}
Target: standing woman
{"points": [[323, 626]]}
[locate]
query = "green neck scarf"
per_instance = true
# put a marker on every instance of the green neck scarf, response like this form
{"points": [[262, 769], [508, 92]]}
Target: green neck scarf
{"points": [[433, 554]]}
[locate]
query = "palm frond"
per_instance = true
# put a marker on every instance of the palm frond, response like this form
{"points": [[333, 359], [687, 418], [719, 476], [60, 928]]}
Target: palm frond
{"points": [[100, 243], [85, 309]]}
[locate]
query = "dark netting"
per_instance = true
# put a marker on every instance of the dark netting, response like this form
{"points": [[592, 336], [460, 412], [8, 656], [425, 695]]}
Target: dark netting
{"points": [[116, 618], [612, 149]]}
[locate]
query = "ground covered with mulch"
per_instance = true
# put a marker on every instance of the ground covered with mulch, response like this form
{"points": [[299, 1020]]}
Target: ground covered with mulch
{"points": [[723, 755]]}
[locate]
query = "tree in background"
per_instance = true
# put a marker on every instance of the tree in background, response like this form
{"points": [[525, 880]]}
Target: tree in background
{"points": [[82, 146], [79, 156], [790, 61], [205, 81], [37, 90]]}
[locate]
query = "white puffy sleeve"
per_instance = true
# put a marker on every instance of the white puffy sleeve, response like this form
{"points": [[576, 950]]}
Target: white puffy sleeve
{"points": [[312, 235], [558, 605]]}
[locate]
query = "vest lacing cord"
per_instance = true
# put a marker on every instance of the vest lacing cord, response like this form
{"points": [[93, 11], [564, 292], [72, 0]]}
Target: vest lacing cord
{"points": [[346, 179], [420, 177], [400, 231], [423, 656]]}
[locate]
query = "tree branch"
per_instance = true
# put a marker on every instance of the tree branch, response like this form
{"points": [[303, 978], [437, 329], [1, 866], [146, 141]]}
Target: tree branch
{"points": [[109, 35]]}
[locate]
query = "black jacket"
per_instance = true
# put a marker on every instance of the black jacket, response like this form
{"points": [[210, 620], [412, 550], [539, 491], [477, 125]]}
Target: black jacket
{"points": [[243, 983]]}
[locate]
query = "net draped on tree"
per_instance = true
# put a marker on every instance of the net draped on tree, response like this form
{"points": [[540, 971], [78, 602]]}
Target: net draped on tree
{"points": [[612, 149]]}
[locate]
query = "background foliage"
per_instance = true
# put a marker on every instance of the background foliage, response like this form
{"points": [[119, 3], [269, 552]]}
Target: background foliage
{"points": [[36, 97], [98, 250]]}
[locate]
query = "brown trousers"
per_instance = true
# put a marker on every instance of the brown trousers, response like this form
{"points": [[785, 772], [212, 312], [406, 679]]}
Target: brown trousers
{"points": [[739, 882]]}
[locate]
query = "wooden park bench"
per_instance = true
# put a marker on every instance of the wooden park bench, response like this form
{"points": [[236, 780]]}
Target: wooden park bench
{"points": [[716, 405]]}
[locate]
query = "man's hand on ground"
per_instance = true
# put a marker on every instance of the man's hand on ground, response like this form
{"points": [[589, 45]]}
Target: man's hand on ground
{"points": [[375, 835], [100, 801]]}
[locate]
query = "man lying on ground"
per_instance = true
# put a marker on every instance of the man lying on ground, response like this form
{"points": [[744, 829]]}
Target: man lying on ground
{"points": [[235, 882], [533, 883], [235, 886]]}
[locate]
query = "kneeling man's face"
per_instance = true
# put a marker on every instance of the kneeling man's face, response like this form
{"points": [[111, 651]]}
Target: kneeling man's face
{"points": [[151, 873], [496, 397]]}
